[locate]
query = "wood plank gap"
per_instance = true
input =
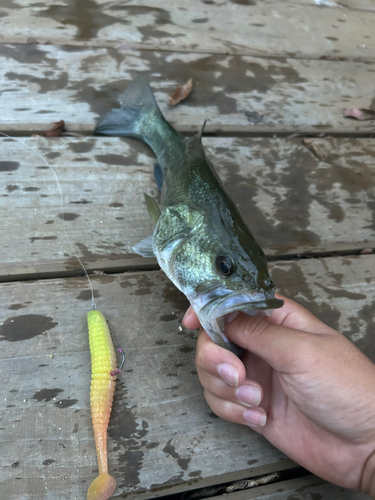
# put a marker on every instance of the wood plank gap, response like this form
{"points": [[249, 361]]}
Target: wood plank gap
{"points": [[177, 491], [235, 486], [229, 131], [228, 51], [50, 271]]}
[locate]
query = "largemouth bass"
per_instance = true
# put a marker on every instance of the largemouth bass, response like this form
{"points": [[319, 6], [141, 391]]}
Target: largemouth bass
{"points": [[200, 240]]}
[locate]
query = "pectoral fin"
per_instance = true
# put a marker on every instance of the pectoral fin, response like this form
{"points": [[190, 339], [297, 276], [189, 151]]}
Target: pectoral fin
{"points": [[152, 208], [144, 247]]}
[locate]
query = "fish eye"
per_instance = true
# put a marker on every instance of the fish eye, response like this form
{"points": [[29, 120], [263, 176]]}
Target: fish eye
{"points": [[224, 265]]}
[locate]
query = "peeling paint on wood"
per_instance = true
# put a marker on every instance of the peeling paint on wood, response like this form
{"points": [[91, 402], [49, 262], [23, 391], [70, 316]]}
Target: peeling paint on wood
{"points": [[292, 201], [43, 84], [268, 28]]}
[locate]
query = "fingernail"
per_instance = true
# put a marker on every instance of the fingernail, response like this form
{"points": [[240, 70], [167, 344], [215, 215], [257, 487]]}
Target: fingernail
{"points": [[187, 314], [231, 316], [255, 417], [248, 394], [228, 373]]}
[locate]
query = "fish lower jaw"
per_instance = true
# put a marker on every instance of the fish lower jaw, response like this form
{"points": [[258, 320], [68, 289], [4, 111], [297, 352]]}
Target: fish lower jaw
{"points": [[225, 308]]}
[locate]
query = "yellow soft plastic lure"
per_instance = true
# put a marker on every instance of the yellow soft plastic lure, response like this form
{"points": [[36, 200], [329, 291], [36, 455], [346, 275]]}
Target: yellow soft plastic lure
{"points": [[103, 382]]}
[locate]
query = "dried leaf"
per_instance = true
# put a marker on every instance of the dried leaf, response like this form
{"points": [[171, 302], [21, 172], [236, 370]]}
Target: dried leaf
{"points": [[360, 114], [181, 93], [57, 129], [310, 144]]}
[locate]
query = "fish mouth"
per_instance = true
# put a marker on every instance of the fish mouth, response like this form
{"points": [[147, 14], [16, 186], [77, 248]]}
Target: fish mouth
{"points": [[249, 302]]}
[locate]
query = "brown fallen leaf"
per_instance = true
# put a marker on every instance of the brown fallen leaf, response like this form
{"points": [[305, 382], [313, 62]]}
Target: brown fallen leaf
{"points": [[360, 114], [310, 144], [181, 93], [57, 129]]}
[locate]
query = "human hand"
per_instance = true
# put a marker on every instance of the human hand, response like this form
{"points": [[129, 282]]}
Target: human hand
{"points": [[302, 385]]}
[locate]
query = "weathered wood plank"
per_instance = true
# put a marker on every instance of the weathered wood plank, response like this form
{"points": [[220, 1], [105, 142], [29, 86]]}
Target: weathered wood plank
{"points": [[42, 84], [162, 431], [253, 28], [292, 201]]}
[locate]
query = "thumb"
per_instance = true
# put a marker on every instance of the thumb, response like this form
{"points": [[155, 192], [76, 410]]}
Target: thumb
{"points": [[281, 347]]}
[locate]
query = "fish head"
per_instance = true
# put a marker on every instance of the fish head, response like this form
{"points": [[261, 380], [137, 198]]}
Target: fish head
{"points": [[234, 281], [220, 269]]}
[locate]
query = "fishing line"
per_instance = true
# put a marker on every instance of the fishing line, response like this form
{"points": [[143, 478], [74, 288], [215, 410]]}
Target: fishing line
{"points": [[102, 382], [93, 304]]}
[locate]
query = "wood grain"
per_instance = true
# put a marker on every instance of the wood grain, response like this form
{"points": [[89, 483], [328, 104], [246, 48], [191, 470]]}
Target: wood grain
{"points": [[40, 84], [162, 431], [294, 28], [292, 201]]}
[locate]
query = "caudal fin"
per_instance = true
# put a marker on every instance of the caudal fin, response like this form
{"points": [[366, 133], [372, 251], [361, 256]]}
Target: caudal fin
{"points": [[137, 103], [140, 117]]}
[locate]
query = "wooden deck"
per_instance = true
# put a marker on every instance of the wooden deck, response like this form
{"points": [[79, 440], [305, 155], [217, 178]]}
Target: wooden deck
{"points": [[298, 64]]}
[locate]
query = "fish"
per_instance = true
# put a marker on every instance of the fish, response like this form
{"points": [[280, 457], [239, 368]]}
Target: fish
{"points": [[200, 240]]}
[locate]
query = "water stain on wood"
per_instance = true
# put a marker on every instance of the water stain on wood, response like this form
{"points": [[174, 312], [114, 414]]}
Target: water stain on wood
{"points": [[25, 327], [168, 483], [168, 317], [152, 445], [86, 295], [26, 54], [9, 166], [291, 219], [172, 295], [16, 307], [87, 17], [334, 292], [65, 403], [296, 284], [170, 450], [46, 394], [49, 461], [82, 146], [45, 84], [68, 216], [113, 159], [243, 2], [186, 349], [142, 282], [126, 437], [36, 238]]}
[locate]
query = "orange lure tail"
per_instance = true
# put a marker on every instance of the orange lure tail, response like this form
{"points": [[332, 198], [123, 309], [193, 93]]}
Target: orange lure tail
{"points": [[103, 382]]}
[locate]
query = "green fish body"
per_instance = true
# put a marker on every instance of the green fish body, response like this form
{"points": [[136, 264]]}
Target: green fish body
{"points": [[200, 239]]}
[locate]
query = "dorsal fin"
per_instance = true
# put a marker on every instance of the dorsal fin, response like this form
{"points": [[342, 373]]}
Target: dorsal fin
{"points": [[202, 130]]}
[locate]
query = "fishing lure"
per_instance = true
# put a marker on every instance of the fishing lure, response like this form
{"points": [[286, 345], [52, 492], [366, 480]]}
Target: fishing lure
{"points": [[103, 382]]}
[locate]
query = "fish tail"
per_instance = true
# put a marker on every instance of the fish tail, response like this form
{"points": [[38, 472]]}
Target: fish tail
{"points": [[140, 117], [137, 103]]}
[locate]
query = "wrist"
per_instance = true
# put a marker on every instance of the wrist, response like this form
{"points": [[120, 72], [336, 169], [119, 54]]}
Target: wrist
{"points": [[367, 484]]}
